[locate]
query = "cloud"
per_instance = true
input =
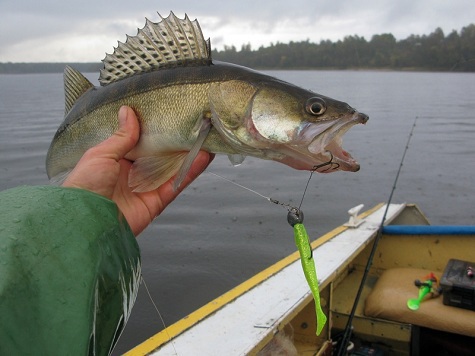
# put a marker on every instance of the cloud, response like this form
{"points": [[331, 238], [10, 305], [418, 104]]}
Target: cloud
{"points": [[47, 30]]}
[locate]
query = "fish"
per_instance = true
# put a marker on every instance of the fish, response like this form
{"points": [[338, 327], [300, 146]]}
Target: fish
{"points": [[186, 102]]}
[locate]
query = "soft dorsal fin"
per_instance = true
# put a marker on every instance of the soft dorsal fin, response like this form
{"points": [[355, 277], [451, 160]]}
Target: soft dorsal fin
{"points": [[168, 43], [75, 85]]}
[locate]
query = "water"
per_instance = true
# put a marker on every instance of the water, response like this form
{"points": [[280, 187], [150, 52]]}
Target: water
{"points": [[216, 235]]}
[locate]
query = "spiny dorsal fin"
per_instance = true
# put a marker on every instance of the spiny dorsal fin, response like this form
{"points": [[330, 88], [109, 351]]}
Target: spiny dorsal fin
{"points": [[169, 43], [75, 85]]}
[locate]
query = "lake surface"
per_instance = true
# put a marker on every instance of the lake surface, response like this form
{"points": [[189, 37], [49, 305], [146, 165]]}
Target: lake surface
{"points": [[216, 235]]}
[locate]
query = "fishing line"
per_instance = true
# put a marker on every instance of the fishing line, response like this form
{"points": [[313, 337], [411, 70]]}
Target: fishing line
{"points": [[314, 169], [347, 332], [241, 186], [306, 187], [269, 199], [288, 206], [160, 316]]}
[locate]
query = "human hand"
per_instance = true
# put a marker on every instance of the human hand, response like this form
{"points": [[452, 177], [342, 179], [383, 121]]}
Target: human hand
{"points": [[104, 170]]}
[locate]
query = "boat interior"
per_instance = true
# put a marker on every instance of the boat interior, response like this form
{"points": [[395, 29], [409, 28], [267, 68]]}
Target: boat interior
{"points": [[382, 322]]}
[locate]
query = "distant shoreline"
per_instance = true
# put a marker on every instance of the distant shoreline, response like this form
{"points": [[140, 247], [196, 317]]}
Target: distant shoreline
{"points": [[32, 68], [92, 67]]}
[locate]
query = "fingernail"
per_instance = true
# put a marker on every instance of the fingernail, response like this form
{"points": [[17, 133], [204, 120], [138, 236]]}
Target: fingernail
{"points": [[122, 116]]}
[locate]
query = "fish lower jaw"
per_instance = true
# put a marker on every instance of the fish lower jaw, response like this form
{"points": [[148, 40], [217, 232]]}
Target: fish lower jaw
{"points": [[349, 164], [341, 159], [332, 159]]}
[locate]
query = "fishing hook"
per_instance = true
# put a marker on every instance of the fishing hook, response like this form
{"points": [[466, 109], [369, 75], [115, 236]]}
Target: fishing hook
{"points": [[333, 165], [329, 163], [314, 169]]}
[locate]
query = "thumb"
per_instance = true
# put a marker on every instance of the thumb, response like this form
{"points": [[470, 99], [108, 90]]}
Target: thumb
{"points": [[124, 139]]}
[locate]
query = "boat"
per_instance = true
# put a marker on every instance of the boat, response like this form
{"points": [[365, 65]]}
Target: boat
{"points": [[273, 312]]}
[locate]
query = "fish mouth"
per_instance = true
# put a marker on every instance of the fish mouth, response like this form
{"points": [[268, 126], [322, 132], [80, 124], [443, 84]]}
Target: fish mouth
{"points": [[329, 145], [325, 153]]}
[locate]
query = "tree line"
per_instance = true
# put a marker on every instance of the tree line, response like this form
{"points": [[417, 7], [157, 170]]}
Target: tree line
{"points": [[436, 52]]}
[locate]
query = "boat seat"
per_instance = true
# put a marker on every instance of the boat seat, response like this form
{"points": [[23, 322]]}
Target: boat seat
{"points": [[388, 300]]}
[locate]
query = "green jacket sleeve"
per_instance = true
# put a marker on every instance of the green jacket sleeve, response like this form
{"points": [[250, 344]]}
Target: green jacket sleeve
{"points": [[69, 272]]}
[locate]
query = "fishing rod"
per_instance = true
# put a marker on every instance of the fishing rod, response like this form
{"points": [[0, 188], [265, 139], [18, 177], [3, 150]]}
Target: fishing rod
{"points": [[347, 331]]}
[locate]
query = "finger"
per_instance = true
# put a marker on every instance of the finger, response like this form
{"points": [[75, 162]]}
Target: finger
{"points": [[124, 139]]}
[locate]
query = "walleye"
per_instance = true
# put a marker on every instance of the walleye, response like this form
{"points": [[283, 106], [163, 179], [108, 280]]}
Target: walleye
{"points": [[187, 102]]}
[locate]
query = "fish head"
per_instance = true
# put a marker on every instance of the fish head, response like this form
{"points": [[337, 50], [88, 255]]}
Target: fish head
{"points": [[279, 121], [304, 127]]}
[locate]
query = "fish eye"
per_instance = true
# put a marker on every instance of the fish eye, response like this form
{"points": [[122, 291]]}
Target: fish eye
{"points": [[316, 106]]}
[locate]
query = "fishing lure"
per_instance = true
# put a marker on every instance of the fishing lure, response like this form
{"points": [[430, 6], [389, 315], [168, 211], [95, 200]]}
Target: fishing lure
{"points": [[295, 219], [430, 285]]}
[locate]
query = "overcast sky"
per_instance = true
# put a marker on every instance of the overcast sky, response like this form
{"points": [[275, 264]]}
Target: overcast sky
{"points": [[83, 31]]}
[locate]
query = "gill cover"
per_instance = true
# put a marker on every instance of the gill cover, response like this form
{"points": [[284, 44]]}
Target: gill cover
{"points": [[276, 115], [257, 117], [231, 110]]}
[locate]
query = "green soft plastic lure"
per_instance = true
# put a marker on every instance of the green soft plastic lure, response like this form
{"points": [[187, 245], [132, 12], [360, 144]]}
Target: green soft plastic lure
{"points": [[295, 219]]}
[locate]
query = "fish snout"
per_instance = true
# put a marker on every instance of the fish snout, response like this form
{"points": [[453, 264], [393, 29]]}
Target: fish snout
{"points": [[361, 118]]}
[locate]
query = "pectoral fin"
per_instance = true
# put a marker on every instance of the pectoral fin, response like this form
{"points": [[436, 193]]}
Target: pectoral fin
{"points": [[195, 149], [148, 173]]}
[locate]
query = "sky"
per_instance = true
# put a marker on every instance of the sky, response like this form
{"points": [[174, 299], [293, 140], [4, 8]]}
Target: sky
{"points": [[83, 31]]}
